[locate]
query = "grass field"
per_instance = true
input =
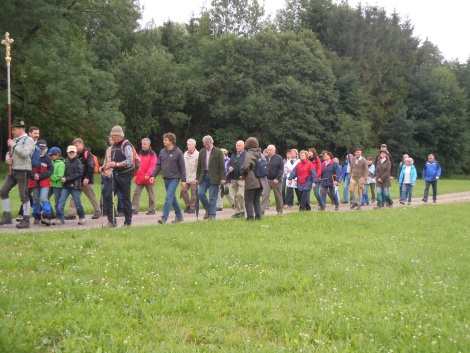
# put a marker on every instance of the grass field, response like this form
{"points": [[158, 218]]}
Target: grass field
{"points": [[395, 280]]}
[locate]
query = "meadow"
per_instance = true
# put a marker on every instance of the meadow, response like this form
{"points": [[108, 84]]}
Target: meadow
{"points": [[394, 280]]}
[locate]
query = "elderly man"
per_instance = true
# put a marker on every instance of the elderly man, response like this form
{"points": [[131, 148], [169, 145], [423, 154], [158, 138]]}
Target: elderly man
{"points": [[190, 161], [122, 162], [171, 163], [148, 160], [275, 171], [19, 159], [86, 158], [210, 175], [359, 174], [431, 174], [238, 185]]}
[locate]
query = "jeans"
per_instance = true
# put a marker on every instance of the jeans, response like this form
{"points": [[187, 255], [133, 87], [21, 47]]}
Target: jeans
{"points": [[170, 199], [290, 196], [365, 193], [41, 198], [316, 192], [63, 199], [434, 190], [382, 195], [347, 179], [253, 203], [56, 192], [211, 204], [331, 191], [406, 192]]}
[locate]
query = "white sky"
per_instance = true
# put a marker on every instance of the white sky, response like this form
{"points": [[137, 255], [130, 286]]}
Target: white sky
{"points": [[444, 23]]}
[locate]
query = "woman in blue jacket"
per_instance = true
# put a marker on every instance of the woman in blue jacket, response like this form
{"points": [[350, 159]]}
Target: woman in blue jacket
{"points": [[407, 180]]}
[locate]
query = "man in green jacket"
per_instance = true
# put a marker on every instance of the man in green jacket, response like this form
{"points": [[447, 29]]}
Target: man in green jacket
{"points": [[210, 174]]}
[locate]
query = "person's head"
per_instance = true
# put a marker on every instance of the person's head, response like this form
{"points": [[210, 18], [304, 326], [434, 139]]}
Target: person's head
{"points": [[224, 151], [54, 153], [72, 152], [293, 153], [33, 132], [116, 133], [265, 152], [288, 154], [169, 140], [336, 160], [327, 156], [42, 146], [79, 145], [251, 142], [357, 152], [110, 140], [383, 147], [369, 160], [146, 144], [271, 149], [191, 144], [405, 156], [303, 155], [383, 154], [312, 153], [240, 146], [208, 142], [409, 161], [431, 158], [18, 128]]}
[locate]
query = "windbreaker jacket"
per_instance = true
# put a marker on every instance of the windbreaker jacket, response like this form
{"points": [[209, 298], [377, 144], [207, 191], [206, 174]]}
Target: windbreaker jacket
{"points": [[171, 163], [305, 173], [45, 171], [431, 171], [330, 172], [148, 161], [59, 172], [190, 161], [73, 173], [414, 174]]}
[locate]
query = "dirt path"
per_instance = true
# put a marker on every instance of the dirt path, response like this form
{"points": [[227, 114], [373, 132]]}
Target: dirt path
{"points": [[143, 220]]}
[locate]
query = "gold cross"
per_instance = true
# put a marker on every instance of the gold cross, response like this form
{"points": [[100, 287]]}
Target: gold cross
{"points": [[7, 42]]}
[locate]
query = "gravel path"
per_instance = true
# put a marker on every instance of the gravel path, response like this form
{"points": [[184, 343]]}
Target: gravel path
{"points": [[143, 220]]}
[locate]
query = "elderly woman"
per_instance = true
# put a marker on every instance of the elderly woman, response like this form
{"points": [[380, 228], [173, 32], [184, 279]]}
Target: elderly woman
{"points": [[253, 185], [306, 176], [330, 173], [288, 168], [382, 174], [407, 180]]}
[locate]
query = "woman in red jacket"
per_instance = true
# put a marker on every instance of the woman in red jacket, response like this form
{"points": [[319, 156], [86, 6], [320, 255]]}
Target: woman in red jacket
{"points": [[148, 160], [306, 178]]}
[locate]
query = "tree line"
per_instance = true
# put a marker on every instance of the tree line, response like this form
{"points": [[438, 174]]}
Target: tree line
{"points": [[319, 74]]}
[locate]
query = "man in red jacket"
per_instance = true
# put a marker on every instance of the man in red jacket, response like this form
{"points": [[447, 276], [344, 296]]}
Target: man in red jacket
{"points": [[148, 161]]}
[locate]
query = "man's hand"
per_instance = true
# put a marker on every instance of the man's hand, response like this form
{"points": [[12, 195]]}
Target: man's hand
{"points": [[230, 169], [63, 179], [10, 143], [85, 181], [222, 182], [183, 184], [152, 180], [275, 181], [36, 176]]}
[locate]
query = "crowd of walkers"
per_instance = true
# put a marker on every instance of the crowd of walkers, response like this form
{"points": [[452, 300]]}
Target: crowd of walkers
{"points": [[245, 177]]}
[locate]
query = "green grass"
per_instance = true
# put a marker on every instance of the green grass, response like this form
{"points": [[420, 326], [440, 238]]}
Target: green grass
{"points": [[380, 281]]}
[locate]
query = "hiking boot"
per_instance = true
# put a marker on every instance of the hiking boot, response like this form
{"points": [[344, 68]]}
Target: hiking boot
{"points": [[96, 216], [70, 218], [322, 208], [120, 214], [358, 207], [111, 225], [206, 216], [236, 215], [57, 222], [19, 218], [187, 209], [36, 221], [81, 221], [24, 223], [402, 202], [135, 212], [150, 213], [218, 209], [424, 200], [409, 203], [178, 220], [336, 207], [250, 219], [257, 218], [353, 206], [162, 220], [191, 210], [345, 202], [46, 221], [6, 219]]}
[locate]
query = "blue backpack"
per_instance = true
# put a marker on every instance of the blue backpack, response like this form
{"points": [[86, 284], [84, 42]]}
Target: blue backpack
{"points": [[261, 169], [35, 157]]}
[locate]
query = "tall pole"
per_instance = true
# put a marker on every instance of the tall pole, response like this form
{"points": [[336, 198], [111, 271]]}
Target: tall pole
{"points": [[7, 43]]}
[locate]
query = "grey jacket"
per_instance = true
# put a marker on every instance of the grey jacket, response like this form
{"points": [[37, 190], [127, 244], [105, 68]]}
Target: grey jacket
{"points": [[171, 163], [22, 151]]}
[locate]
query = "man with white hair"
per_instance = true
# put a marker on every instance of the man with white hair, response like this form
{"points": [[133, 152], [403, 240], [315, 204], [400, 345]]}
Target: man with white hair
{"points": [[191, 157], [238, 185], [210, 175], [275, 170]]}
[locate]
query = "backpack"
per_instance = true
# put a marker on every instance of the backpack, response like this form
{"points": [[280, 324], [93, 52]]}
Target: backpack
{"points": [[35, 157], [135, 157], [261, 169], [96, 169]]}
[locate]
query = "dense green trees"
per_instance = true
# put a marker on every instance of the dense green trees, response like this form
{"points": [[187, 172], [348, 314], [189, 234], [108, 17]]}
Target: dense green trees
{"points": [[321, 74]]}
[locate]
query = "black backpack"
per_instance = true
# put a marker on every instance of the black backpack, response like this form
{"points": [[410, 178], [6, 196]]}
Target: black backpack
{"points": [[261, 169]]}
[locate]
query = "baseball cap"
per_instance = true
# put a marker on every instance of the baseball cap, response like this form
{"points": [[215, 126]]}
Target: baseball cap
{"points": [[71, 148], [54, 150], [41, 144]]}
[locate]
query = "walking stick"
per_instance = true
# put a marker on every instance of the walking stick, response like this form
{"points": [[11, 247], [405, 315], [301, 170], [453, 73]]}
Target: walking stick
{"points": [[7, 42]]}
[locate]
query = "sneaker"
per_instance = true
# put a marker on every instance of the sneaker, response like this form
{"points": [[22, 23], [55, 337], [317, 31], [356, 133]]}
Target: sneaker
{"points": [[135, 212], [424, 200], [336, 207], [150, 213], [19, 218], [162, 220], [345, 202], [46, 221], [409, 203], [206, 216], [96, 216], [37, 221], [211, 218], [191, 210], [402, 202], [82, 221], [178, 220], [353, 206], [70, 218], [57, 222]]}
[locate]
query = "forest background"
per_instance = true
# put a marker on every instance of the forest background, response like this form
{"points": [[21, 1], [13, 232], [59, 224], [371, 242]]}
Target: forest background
{"points": [[320, 74]]}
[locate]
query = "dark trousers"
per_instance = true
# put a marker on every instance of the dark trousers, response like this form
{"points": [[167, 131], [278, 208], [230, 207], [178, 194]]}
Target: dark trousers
{"points": [[122, 183], [434, 190], [253, 203], [304, 200]]}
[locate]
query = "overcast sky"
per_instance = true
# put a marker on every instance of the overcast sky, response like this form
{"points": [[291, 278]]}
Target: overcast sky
{"points": [[444, 23]]}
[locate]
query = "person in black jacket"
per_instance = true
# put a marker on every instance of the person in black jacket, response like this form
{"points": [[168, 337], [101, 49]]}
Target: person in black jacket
{"points": [[72, 180], [275, 171]]}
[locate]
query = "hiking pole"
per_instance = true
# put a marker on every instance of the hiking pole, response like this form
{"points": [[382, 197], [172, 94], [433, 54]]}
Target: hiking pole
{"points": [[102, 200], [112, 194], [7, 42]]}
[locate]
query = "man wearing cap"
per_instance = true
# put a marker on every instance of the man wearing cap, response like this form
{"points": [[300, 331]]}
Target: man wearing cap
{"points": [[22, 147], [359, 173], [122, 160], [210, 175], [56, 177]]}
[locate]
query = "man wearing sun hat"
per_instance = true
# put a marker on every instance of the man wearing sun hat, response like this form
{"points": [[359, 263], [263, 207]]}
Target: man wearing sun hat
{"points": [[22, 147], [359, 174]]}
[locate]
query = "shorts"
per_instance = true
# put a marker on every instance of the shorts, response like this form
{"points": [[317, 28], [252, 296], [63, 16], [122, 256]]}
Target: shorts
{"points": [[359, 180]]}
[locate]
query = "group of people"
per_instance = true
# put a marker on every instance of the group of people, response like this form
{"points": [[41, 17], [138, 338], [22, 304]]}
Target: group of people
{"points": [[246, 177]]}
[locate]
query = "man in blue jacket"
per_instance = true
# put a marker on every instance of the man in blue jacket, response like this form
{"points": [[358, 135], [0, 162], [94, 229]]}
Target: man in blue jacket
{"points": [[431, 174]]}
